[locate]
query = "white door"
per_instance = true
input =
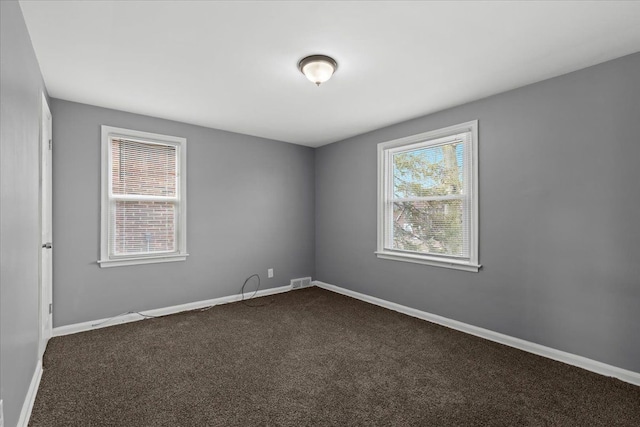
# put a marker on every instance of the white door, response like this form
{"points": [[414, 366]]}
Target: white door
{"points": [[46, 214]]}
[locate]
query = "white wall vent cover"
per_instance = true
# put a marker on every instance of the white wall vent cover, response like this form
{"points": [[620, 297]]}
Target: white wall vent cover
{"points": [[302, 282]]}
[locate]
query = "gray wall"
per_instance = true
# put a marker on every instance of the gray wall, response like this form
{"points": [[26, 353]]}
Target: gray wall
{"points": [[20, 98], [559, 209], [250, 205]]}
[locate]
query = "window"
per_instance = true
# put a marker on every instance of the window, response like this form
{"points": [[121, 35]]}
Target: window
{"points": [[144, 203], [428, 198]]}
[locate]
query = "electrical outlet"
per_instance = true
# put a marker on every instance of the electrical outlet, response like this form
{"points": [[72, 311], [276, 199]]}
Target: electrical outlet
{"points": [[270, 273]]}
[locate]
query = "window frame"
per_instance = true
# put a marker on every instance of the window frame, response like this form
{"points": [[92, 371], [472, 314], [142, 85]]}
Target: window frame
{"points": [[385, 186], [180, 254]]}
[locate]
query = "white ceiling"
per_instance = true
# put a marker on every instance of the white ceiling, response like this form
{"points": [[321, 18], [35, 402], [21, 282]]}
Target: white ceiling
{"points": [[232, 65]]}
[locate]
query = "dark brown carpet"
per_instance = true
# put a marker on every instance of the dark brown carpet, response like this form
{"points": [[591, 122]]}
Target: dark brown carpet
{"points": [[313, 357]]}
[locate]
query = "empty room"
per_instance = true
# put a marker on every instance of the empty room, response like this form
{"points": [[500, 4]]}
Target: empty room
{"points": [[319, 213]]}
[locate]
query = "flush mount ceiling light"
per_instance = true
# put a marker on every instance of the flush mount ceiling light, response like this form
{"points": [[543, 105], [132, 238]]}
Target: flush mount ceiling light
{"points": [[317, 68]]}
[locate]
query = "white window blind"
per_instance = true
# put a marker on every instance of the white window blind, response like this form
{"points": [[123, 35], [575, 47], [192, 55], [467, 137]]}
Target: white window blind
{"points": [[428, 198], [427, 203], [144, 197], [144, 212]]}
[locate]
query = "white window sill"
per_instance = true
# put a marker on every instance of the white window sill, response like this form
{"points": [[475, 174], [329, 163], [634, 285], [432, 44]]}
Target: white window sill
{"points": [[422, 259], [121, 262]]}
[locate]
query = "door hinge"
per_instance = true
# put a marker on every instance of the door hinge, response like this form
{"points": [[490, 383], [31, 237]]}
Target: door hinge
{"points": [[49, 143], [50, 308]]}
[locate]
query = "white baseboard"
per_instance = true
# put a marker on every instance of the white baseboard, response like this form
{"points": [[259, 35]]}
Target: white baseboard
{"points": [[540, 350], [27, 406], [132, 317]]}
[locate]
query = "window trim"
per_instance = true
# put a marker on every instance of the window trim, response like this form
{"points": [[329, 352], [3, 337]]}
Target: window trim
{"points": [[181, 254], [385, 149]]}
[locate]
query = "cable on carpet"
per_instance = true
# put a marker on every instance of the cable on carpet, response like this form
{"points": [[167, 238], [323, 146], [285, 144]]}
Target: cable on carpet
{"points": [[243, 300], [123, 314], [254, 292]]}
